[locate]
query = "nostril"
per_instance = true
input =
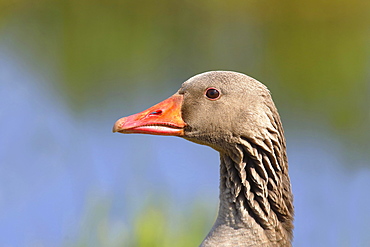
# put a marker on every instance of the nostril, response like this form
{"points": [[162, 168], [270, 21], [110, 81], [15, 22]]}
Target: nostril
{"points": [[157, 112]]}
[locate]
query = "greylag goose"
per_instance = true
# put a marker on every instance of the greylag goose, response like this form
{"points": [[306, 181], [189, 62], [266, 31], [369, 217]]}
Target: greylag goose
{"points": [[234, 114]]}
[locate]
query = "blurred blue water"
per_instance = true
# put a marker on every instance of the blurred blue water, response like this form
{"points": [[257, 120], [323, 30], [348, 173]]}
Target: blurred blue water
{"points": [[52, 165]]}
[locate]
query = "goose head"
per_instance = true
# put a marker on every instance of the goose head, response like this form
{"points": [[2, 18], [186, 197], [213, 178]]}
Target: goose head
{"points": [[213, 108]]}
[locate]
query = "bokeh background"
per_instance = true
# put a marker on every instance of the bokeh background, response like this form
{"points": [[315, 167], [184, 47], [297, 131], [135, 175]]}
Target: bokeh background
{"points": [[70, 69]]}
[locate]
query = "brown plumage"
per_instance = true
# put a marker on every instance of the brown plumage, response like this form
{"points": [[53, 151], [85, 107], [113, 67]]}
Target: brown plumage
{"points": [[235, 115]]}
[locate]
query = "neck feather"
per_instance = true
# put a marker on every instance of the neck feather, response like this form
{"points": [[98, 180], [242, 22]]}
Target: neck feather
{"points": [[255, 195]]}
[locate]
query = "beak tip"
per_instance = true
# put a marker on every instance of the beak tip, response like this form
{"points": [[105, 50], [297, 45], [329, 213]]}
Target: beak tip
{"points": [[117, 126]]}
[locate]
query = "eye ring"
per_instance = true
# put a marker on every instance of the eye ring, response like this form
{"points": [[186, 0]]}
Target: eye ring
{"points": [[212, 93]]}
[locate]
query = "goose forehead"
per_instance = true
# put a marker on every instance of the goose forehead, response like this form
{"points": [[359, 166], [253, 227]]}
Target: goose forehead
{"points": [[216, 77], [224, 79]]}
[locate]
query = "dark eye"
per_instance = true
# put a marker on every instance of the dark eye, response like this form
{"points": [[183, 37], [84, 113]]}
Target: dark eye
{"points": [[212, 93]]}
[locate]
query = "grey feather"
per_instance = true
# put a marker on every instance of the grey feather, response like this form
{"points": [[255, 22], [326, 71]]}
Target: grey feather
{"points": [[256, 207]]}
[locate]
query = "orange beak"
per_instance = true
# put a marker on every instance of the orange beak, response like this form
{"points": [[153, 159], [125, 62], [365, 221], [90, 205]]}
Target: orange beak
{"points": [[162, 119]]}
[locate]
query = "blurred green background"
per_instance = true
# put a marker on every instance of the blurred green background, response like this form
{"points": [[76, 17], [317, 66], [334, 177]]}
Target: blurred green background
{"points": [[70, 69]]}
